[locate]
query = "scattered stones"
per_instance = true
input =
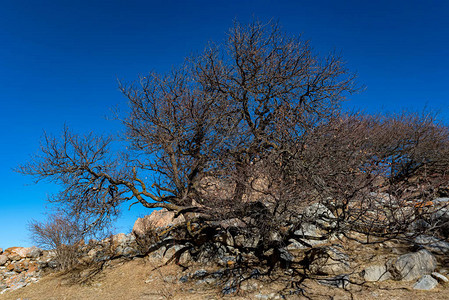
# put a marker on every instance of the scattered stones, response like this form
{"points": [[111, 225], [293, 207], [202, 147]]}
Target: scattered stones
{"points": [[413, 265], [425, 283]]}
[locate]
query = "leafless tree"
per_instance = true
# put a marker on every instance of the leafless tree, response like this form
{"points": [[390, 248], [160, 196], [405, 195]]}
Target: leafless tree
{"points": [[241, 139]]}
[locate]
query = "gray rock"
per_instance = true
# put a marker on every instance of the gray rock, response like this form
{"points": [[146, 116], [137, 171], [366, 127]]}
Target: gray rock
{"points": [[229, 289], [440, 277], [3, 259], [320, 214], [199, 274], [413, 265], [425, 283], [432, 244], [330, 261], [184, 279], [34, 252], [418, 226], [376, 273], [308, 230], [443, 200], [340, 281]]}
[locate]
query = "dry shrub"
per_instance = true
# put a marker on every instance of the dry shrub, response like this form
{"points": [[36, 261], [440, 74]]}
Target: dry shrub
{"points": [[61, 235]]}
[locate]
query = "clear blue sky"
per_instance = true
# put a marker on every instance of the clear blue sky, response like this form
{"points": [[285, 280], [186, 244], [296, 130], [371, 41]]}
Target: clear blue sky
{"points": [[59, 61]]}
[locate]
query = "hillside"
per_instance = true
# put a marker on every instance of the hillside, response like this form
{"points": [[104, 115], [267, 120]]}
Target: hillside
{"points": [[136, 279]]}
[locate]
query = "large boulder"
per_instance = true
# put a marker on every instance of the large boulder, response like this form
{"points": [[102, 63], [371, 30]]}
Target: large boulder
{"points": [[156, 220], [413, 265]]}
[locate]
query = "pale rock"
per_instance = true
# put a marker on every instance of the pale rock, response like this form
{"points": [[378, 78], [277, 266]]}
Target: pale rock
{"points": [[3, 259], [330, 261], [440, 277], [432, 244], [425, 283], [156, 220], [376, 273], [413, 265]]}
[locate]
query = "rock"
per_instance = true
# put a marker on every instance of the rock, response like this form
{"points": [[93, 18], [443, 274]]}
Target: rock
{"points": [[413, 265], [20, 251], [320, 214], [33, 252], [340, 281], [440, 277], [376, 273], [329, 260], [307, 230], [199, 274], [247, 242], [425, 283], [418, 226], [443, 200], [432, 244], [184, 279], [229, 289], [3, 259], [157, 219], [440, 220]]}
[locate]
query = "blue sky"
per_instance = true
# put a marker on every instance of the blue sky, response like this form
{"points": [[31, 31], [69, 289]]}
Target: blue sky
{"points": [[60, 60]]}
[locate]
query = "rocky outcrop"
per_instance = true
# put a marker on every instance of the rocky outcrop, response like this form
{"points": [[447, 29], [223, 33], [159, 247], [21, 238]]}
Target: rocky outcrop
{"points": [[20, 266], [157, 219]]}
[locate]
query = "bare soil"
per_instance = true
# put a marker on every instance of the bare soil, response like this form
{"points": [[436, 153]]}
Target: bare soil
{"points": [[138, 279]]}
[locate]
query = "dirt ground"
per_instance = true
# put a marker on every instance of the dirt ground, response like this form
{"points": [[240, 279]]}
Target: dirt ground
{"points": [[138, 279]]}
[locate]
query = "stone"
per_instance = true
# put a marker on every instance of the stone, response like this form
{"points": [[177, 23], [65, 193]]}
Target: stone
{"points": [[432, 244], [229, 289], [340, 281], [425, 283], [33, 252], [3, 259], [330, 261], [320, 214], [307, 230], [376, 273], [156, 220], [440, 277], [413, 265], [199, 273]]}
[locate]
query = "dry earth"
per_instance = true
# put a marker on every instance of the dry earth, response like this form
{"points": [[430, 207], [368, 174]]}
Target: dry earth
{"points": [[138, 279]]}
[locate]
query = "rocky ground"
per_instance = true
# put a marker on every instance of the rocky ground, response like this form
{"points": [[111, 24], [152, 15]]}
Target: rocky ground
{"points": [[343, 268]]}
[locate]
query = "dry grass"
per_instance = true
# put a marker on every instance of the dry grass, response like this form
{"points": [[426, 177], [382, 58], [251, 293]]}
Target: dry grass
{"points": [[138, 279]]}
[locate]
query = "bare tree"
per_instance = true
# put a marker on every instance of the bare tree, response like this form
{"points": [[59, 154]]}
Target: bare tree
{"points": [[241, 140]]}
